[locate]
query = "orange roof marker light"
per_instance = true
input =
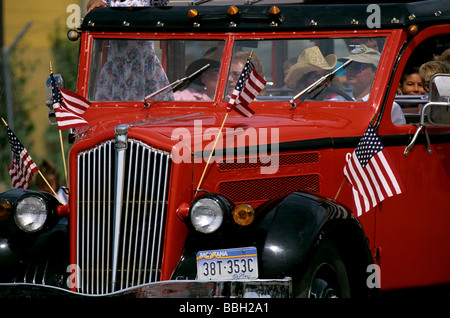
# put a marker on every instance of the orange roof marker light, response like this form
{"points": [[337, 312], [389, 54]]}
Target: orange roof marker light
{"points": [[195, 16], [413, 29], [275, 16], [233, 10], [192, 13], [274, 10]]}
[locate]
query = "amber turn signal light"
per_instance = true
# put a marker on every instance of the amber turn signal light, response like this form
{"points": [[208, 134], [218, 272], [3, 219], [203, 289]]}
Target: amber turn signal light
{"points": [[5, 209], [243, 214]]}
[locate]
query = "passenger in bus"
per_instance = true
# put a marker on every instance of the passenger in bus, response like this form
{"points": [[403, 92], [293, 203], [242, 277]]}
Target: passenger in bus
{"points": [[311, 65], [203, 86], [360, 75], [131, 72], [429, 69], [410, 83], [443, 57]]}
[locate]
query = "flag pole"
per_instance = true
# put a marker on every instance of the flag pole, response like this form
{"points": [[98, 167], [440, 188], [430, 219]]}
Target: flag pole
{"points": [[339, 190], [50, 187], [40, 173], [61, 139], [63, 154], [210, 154]]}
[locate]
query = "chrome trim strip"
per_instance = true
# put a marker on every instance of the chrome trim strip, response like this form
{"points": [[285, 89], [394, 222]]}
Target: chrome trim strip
{"points": [[121, 147], [275, 288], [163, 203]]}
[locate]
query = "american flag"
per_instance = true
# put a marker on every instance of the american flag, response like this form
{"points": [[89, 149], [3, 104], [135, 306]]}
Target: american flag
{"points": [[23, 167], [370, 173], [249, 85], [69, 107]]}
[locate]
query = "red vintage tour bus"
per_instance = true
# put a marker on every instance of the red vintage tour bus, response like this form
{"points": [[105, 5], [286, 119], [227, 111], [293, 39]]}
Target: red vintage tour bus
{"points": [[287, 205]]}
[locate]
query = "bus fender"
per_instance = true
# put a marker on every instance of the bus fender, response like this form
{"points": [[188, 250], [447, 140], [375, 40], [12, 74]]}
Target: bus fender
{"points": [[289, 230]]}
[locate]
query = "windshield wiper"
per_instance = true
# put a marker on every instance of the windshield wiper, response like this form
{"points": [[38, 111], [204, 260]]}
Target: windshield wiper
{"points": [[177, 85], [314, 85]]}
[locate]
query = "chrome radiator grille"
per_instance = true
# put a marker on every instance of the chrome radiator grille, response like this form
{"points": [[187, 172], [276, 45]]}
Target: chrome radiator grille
{"points": [[120, 221]]}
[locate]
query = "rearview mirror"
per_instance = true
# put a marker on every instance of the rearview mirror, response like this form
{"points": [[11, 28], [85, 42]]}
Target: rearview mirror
{"points": [[438, 107], [48, 92], [440, 88]]}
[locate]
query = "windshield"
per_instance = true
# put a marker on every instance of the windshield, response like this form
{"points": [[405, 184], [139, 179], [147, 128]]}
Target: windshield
{"points": [[292, 65], [131, 69]]}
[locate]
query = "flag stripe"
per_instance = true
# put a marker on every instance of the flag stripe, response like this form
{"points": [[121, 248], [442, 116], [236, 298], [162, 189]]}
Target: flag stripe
{"points": [[381, 174], [67, 119], [257, 81], [27, 162], [390, 173], [375, 182], [355, 181], [365, 182], [244, 111], [254, 87], [356, 198], [73, 102], [357, 201]]}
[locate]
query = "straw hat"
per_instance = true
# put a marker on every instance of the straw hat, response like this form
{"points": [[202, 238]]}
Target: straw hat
{"points": [[311, 59]]}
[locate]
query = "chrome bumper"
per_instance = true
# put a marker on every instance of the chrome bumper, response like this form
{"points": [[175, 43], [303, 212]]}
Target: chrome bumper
{"points": [[260, 288]]}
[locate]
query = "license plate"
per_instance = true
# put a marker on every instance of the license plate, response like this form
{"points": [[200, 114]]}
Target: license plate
{"points": [[228, 264]]}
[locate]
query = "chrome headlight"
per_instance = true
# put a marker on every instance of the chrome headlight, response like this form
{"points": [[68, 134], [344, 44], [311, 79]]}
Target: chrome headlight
{"points": [[208, 212], [31, 213]]}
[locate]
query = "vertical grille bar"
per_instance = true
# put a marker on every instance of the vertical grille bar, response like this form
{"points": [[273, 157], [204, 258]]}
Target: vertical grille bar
{"points": [[163, 183], [142, 216]]}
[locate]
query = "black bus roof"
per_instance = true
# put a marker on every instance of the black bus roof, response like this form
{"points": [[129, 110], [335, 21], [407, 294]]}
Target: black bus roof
{"points": [[214, 16]]}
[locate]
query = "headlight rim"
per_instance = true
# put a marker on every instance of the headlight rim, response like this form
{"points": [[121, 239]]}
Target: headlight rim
{"points": [[225, 205], [16, 218]]}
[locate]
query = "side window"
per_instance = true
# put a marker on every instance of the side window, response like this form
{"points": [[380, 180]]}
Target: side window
{"points": [[430, 57]]}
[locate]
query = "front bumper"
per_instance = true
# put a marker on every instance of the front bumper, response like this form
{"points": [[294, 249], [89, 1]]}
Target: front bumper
{"points": [[259, 288]]}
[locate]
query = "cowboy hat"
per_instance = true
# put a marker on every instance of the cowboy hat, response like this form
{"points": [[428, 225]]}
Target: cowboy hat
{"points": [[311, 59]]}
